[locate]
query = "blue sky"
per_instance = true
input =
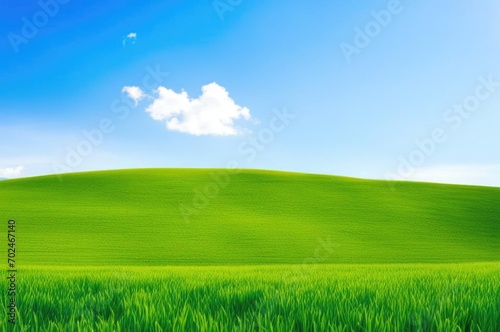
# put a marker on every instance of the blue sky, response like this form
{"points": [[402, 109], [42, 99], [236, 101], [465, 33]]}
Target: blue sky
{"points": [[381, 89]]}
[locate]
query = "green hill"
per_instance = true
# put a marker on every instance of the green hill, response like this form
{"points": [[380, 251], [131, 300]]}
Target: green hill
{"points": [[163, 217]]}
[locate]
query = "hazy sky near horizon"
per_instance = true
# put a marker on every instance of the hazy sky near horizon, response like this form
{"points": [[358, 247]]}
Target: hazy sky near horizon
{"points": [[404, 90]]}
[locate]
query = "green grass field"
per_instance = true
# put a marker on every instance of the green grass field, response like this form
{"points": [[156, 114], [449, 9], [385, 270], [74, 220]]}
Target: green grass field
{"points": [[438, 297], [133, 217], [205, 250]]}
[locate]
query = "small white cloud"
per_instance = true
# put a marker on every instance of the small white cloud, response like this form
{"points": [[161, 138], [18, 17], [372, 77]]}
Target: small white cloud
{"points": [[134, 93], [11, 172], [212, 113], [130, 38]]}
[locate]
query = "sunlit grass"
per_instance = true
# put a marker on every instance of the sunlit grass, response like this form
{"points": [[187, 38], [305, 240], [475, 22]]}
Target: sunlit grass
{"points": [[86, 246], [420, 297], [132, 217]]}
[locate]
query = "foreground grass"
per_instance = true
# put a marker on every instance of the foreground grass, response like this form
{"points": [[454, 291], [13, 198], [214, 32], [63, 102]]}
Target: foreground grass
{"points": [[420, 297]]}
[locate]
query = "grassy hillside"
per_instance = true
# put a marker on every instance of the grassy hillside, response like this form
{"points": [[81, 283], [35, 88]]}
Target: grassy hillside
{"points": [[160, 217]]}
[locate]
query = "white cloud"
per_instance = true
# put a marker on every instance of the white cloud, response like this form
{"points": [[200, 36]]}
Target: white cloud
{"points": [[11, 172], [212, 113], [485, 175], [131, 37], [134, 93]]}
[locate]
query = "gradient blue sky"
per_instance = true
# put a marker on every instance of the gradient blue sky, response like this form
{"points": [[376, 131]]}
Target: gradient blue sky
{"points": [[359, 118]]}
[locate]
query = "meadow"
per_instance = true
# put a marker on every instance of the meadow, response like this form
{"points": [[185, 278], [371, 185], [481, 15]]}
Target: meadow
{"points": [[134, 217], [208, 250], [402, 297]]}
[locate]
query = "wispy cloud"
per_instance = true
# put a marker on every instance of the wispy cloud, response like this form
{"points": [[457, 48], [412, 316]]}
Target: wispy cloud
{"points": [[11, 172], [130, 38], [486, 175], [212, 113]]}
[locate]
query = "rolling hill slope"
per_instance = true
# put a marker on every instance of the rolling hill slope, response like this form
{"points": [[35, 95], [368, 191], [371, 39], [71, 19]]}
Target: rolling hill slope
{"points": [[205, 217]]}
